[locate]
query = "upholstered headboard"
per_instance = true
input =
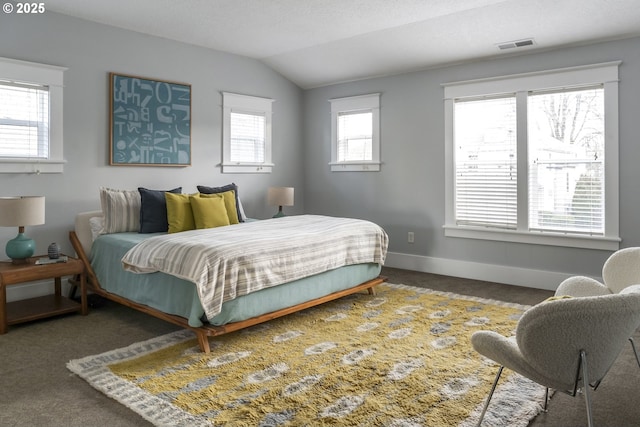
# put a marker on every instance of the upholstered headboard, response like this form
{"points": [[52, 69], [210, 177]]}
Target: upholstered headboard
{"points": [[83, 229]]}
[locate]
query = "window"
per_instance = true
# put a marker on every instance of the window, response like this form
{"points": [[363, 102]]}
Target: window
{"points": [[24, 120], [247, 138], [486, 167], [566, 160], [534, 158], [30, 117], [246, 134], [355, 133]]}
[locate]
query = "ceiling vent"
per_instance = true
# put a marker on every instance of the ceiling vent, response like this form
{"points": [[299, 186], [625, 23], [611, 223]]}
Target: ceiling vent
{"points": [[515, 43]]}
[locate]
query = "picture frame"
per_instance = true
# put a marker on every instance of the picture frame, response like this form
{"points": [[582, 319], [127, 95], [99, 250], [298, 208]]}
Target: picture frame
{"points": [[149, 122]]}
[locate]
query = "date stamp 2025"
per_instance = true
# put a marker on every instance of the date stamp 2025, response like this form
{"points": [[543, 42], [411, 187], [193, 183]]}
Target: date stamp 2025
{"points": [[23, 8]]}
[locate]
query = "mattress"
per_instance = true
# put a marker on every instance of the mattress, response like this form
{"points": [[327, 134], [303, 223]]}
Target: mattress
{"points": [[179, 297]]}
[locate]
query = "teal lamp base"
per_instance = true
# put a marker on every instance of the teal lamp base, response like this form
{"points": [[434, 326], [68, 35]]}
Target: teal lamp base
{"points": [[20, 248], [280, 213]]}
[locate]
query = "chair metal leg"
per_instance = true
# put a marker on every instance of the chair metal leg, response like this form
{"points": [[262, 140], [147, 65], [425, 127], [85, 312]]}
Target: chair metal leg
{"points": [[585, 382], [546, 399], [633, 346], [493, 388]]}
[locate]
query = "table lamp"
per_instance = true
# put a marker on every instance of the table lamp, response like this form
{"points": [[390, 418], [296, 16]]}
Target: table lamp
{"points": [[18, 212], [280, 196]]}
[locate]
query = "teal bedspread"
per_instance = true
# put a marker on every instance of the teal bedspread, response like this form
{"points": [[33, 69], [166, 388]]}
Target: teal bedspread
{"points": [[179, 297]]}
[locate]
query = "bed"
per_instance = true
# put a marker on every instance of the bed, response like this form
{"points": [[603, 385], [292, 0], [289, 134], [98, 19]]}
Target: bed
{"points": [[119, 269]]}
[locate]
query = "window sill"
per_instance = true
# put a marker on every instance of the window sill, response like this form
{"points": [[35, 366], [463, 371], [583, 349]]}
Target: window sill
{"points": [[535, 238], [31, 166], [355, 167], [247, 167]]}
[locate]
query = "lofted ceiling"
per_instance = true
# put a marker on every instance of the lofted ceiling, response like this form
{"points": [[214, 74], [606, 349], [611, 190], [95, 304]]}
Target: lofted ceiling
{"points": [[320, 42]]}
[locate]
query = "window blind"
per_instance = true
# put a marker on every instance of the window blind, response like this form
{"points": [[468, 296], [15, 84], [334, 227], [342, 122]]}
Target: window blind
{"points": [[24, 120], [248, 136], [566, 160], [355, 136], [485, 162]]}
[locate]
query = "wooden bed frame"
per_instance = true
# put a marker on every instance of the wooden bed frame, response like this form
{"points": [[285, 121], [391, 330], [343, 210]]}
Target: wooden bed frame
{"points": [[205, 331]]}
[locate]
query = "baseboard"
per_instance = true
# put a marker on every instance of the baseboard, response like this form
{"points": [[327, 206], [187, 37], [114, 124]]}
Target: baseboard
{"points": [[529, 278], [35, 289]]}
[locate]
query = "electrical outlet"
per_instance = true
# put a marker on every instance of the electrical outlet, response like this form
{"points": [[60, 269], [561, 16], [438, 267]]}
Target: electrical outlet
{"points": [[410, 237]]}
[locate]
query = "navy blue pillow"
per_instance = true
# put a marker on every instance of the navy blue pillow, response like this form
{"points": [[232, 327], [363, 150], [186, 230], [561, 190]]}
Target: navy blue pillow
{"points": [[153, 210], [216, 190]]}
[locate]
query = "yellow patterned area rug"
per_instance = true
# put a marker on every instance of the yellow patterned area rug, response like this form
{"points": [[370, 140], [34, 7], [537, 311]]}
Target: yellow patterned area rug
{"points": [[400, 358]]}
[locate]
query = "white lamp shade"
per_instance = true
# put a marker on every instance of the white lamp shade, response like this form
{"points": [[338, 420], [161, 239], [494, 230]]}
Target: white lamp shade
{"points": [[21, 211], [280, 196]]}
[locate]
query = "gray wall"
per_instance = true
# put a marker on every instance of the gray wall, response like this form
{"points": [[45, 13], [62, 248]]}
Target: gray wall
{"points": [[91, 51], [408, 194]]}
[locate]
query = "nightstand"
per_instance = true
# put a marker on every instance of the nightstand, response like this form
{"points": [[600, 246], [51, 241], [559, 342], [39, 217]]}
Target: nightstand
{"points": [[40, 307]]}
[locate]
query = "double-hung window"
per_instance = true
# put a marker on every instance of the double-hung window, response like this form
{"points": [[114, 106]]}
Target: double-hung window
{"points": [[355, 133], [533, 158], [30, 117], [246, 134]]}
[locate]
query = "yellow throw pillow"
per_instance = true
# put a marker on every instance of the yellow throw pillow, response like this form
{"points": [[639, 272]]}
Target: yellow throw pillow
{"points": [[179, 214], [209, 212], [229, 204]]}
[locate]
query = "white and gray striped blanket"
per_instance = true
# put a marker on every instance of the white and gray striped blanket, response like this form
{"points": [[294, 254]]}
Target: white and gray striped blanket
{"points": [[227, 262]]}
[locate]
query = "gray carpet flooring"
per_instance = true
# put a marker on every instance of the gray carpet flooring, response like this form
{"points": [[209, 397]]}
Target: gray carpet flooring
{"points": [[38, 390]]}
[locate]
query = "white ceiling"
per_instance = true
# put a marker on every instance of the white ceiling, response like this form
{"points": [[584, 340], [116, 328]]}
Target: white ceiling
{"points": [[320, 42]]}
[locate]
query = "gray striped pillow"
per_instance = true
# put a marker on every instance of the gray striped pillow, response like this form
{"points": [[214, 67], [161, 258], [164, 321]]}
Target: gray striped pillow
{"points": [[121, 209]]}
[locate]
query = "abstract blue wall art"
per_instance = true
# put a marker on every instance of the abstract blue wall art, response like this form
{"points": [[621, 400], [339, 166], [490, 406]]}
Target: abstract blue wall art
{"points": [[150, 122]]}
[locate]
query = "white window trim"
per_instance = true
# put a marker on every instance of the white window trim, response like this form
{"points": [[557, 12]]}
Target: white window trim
{"points": [[356, 103], [604, 73], [47, 75], [233, 102]]}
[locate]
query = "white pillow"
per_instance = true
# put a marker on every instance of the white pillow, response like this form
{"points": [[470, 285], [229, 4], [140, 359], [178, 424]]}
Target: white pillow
{"points": [[96, 224], [121, 209]]}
